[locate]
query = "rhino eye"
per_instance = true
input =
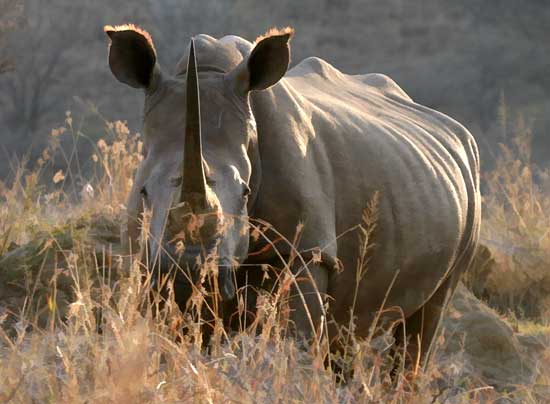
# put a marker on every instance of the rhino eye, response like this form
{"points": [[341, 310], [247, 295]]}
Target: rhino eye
{"points": [[176, 181], [143, 192], [246, 191]]}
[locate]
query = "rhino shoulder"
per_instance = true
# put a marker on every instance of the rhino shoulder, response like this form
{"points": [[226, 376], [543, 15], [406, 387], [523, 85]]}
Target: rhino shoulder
{"points": [[384, 84]]}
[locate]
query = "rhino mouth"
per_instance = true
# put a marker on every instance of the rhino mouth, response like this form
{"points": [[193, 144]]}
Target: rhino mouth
{"points": [[187, 269]]}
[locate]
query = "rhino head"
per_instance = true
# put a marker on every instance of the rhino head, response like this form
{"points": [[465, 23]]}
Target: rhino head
{"points": [[199, 136]]}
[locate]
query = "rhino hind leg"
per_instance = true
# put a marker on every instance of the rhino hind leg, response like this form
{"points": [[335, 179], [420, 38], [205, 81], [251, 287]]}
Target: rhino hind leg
{"points": [[422, 327]]}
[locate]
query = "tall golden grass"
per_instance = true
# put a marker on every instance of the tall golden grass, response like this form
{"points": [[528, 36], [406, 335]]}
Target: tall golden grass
{"points": [[79, 324], [516, 228]]}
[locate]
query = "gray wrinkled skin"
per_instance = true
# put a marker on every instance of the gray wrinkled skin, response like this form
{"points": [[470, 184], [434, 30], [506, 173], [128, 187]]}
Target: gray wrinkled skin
{"points": [[314, 149]]}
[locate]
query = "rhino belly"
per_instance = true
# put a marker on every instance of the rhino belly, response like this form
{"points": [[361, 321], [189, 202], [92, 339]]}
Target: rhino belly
{"points": [[419, 227]]}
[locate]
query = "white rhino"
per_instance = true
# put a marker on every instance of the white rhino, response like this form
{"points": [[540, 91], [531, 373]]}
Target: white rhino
{"points": [[234, 134]]}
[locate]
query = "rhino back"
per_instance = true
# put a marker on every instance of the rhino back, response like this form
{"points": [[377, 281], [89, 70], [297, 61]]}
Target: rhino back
{"points": [[330, 141]]}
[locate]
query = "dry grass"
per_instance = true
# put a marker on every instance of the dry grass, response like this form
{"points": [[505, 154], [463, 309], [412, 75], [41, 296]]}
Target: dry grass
{"points": [[78, 323], [516, 229]]}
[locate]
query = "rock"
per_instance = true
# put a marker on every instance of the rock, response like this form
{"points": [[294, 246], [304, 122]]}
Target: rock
{"points": [[491, 350]]}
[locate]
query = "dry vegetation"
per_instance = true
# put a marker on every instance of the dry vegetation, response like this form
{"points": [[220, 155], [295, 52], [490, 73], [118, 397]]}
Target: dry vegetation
{"points": [[78, 324], [516, 228]]}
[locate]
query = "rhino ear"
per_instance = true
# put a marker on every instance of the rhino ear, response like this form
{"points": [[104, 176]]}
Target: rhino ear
{"points": [[132, 55], [267, 63]]}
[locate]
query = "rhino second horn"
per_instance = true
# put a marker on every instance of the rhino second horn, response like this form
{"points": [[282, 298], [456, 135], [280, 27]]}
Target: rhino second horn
{"points": [[193, 178]]}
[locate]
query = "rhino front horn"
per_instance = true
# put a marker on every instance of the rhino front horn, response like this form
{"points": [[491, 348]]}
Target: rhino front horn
{"points": [[193, 179]]}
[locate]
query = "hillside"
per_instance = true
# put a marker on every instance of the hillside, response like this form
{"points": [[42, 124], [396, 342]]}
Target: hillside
{"points": [[465, 58]]}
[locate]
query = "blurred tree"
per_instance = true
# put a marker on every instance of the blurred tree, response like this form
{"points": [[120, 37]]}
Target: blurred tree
{"points": [[60, 52], [11, 12]]}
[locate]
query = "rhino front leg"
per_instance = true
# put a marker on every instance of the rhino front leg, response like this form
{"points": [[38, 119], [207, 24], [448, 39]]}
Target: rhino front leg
{"points": [[306, 299]]}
